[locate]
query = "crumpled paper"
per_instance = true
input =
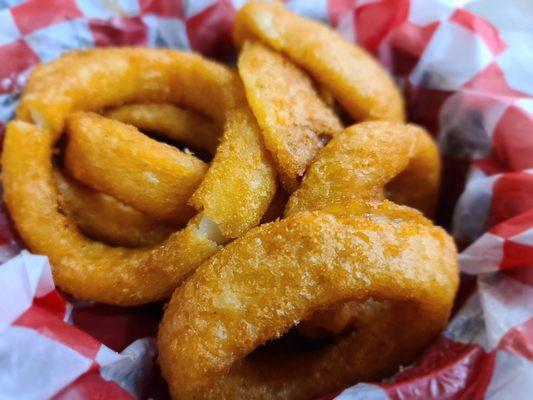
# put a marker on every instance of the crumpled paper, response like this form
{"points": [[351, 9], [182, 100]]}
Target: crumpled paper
{"points": [[41, 351], [465, 69]]}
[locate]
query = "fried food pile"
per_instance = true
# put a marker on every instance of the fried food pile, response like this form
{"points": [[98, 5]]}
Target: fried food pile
{"points": [[289, 226]]}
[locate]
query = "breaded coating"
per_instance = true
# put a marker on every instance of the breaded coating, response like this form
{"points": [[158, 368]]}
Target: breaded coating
{"points": [[368, 161], [400, 269], [92, 80], [233, 196], [354, 77], [87, 269], [293, 118]]}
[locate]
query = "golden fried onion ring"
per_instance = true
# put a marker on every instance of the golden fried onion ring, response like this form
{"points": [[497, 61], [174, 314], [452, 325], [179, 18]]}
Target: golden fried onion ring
{"points": [[348, 72], [89, 270], [102, 217], [92, 80], [153, 177], [399, 267], [233, 196], [293, 118], [368, 161], [95, 79]]}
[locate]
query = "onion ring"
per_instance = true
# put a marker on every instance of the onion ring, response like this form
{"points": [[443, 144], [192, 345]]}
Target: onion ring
{"points": [[292, 116], [368, 160], [89, 270], [102, 217], [352, 76], [130, 161], [172, 122], [92, 80], [232, 197], [401, 269]]}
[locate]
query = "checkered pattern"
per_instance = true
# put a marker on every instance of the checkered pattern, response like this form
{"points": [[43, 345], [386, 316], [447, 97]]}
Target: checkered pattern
{"points": [[39, 345], [466, 73]]}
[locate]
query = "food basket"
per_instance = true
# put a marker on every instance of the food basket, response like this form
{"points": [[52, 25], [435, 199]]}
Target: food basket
{"points": [[465, 71]]}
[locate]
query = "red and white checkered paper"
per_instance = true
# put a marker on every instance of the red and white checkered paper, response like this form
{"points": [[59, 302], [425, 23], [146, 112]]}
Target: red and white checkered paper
{"points": [[466, 74]]}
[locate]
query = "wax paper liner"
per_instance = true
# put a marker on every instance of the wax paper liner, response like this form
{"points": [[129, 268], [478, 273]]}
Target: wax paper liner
{"points": [[466, 74]]}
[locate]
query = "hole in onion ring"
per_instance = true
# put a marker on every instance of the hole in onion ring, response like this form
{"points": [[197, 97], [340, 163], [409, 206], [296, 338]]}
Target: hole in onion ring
{"points": [[291, 343]]}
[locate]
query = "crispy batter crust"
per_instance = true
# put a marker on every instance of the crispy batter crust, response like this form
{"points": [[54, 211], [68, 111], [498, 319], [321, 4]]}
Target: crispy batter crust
{"points": [[353, 76], [233, 196], [368, 161], [288, 109], [87, 269], [92, 80], [105, 218], [399, 267]]}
